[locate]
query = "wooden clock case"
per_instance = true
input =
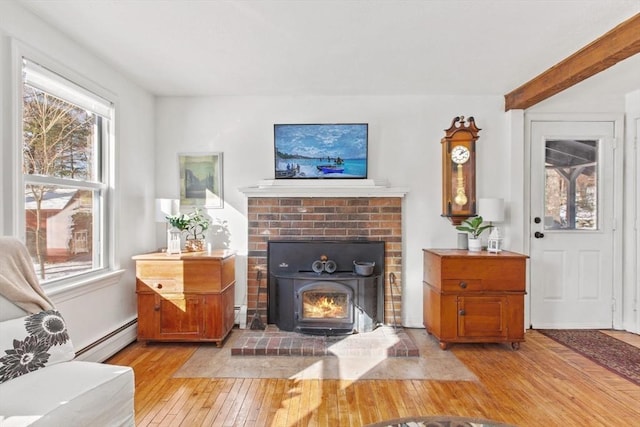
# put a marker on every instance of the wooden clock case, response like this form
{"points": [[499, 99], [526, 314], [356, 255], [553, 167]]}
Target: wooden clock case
{"points": [[457, 178]]}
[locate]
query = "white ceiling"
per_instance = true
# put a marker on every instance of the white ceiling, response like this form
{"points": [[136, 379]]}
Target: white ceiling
{"points": [[339, 47]]}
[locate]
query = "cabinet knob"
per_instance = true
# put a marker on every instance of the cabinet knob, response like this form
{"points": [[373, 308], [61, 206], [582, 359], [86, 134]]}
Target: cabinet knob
{"points": [[159, 285], [156, 307], [462, 313], [463, 285]]}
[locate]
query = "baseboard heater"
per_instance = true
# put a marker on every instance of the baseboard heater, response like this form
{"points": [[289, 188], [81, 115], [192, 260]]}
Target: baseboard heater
{"points": [[106, 337], [240, 316]]}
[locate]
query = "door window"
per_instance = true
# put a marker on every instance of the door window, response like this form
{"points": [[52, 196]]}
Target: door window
{"points": [[571, 184]]}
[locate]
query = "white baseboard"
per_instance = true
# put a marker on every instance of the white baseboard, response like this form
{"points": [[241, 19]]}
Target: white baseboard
{"points": [[103, 349]]}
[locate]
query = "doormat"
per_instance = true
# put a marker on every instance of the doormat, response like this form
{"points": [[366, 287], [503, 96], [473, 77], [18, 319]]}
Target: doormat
{"points": [[609, 352]]}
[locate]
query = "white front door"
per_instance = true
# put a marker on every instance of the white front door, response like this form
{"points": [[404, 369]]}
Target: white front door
{"points": [[572, 223]]}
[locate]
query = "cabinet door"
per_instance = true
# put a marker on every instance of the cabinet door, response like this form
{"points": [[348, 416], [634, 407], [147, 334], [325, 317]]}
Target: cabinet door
{"points": [[219, 314], [482, 317], [179, 316], [229, 309]]}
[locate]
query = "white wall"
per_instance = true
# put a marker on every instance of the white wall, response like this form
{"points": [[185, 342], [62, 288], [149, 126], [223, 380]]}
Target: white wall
{"points": [[94, 311], [404, 149]]}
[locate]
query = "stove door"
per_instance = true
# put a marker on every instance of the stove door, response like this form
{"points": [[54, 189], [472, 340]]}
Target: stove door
{"points": [[324, 305]]}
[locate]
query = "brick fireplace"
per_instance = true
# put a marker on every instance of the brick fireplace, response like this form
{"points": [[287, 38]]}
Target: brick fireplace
{"points": [[334, 217]]}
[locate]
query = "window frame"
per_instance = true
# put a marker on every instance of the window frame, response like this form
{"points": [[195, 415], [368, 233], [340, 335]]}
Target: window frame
{"points": [[103, 236]]}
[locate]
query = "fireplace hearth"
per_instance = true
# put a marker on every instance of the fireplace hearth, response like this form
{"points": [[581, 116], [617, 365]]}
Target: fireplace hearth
{"points": [[313, 288]]}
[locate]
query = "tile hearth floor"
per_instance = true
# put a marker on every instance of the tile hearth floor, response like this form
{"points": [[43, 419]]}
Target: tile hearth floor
{"points": [[382, 341]]}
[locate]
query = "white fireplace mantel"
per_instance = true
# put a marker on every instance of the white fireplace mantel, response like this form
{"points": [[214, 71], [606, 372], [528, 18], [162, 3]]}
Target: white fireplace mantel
{"points": [[323, 188]]}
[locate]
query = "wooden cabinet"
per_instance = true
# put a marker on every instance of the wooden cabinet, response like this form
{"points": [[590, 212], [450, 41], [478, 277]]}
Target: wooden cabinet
{"points": [[474, 296], [185, 297]]}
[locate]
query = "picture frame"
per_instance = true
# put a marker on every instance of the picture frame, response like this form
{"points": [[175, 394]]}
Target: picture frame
{"points": [[201, 179], [321, 150]]}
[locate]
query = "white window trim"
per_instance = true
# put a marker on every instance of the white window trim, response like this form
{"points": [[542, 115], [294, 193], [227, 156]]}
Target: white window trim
{"points": [[16, 222]]}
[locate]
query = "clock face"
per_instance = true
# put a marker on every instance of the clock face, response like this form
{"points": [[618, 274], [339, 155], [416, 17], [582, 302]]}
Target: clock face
{"points": [[460, 154]]}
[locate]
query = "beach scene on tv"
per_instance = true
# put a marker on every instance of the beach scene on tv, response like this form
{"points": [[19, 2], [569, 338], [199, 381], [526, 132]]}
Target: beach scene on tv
{"points": [[320, 151]]}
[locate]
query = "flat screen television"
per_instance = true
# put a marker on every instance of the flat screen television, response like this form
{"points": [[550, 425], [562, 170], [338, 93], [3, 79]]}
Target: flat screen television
{"points": [[321, 151]]}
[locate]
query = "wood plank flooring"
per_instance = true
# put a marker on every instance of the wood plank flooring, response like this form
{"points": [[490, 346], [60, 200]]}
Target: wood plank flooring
{"points": [[542, 384]]}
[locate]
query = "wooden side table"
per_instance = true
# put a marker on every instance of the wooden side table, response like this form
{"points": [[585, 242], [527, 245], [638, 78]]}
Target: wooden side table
{"points": [[185, 297], [474, 296]]}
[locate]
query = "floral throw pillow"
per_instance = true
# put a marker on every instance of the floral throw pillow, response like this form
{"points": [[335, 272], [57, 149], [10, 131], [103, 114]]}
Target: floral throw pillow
{"points": [[33, 342]]}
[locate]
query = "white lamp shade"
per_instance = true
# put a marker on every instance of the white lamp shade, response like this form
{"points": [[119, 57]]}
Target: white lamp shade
{"points": [[491, 210], [165, 208]]}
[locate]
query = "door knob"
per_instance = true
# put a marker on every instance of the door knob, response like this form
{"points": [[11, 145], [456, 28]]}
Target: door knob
{"points": [[538, 235]]}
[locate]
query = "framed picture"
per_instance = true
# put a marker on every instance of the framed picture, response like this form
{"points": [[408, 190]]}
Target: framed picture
{"points": [[201, 179], [321, 151]]}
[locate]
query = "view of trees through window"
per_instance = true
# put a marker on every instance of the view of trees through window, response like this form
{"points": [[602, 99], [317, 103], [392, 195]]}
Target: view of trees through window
{"points": [[571, 186], [62, 188]]}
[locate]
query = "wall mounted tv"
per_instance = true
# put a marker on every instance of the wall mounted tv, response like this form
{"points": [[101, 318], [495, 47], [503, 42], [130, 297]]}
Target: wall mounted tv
{"points": [[321, 151]]}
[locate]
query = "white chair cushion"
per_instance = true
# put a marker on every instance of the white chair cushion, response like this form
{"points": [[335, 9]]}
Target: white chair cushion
{"points": [[70, 394], [33, 342]]}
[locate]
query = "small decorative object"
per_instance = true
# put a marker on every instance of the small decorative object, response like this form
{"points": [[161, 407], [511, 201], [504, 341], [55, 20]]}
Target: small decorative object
{"points": [[196, 228], [474, 227], [173, 241], [463, 241], [495, 241], [201, 180], [459, 170]]}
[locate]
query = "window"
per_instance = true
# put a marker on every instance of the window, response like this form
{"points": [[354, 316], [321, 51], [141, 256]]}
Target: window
{"points": [[66, 136], [571, 184]]}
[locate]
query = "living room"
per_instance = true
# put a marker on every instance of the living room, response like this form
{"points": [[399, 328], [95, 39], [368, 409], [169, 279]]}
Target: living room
{"points": [[406, 116]]}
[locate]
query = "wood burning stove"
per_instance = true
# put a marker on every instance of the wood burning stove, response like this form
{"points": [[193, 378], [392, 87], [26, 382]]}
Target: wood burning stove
{"points": [[312, 287]]}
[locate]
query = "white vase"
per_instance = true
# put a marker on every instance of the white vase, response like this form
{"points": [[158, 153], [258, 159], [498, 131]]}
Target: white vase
{"points": [[475, 245]]}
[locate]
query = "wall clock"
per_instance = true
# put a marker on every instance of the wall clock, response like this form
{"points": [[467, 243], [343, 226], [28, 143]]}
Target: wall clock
{"points": [[459, 170]]}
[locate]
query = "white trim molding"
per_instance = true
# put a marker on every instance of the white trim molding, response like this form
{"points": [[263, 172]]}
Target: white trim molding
{"points": [[323, 188]]}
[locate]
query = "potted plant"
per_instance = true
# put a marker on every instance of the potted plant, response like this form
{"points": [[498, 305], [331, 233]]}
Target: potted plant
{"points": [[474, 227], [194, 225]]}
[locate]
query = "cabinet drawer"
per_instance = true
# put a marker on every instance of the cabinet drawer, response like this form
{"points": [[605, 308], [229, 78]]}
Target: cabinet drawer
{"points": [[159, 285], [493, 274], [158, 269], [462, 285]]}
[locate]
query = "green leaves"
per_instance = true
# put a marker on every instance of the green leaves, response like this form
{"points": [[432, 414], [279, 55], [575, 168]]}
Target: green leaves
{"points": [[194, 223], [179, 221], [473, 226]]}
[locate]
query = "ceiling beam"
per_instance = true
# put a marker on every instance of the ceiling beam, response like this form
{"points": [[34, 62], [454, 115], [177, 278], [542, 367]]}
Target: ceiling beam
{"points": [[618, 44]]}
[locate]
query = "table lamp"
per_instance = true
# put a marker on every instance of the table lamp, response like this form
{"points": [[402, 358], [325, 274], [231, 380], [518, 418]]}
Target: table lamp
{"points": [[492, 210], [165, 208]]}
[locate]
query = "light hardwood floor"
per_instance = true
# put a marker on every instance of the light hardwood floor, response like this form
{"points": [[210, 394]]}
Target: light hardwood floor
{"points": [[542, 384]]}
